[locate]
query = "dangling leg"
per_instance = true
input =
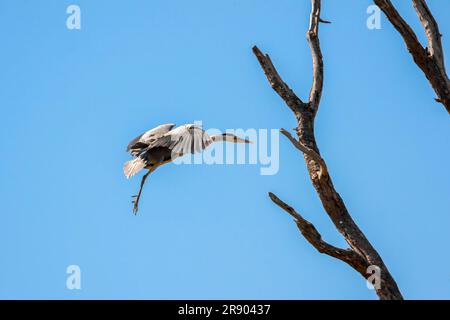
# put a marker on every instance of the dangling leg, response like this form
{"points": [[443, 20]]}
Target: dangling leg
{"points": [[136, 200]]}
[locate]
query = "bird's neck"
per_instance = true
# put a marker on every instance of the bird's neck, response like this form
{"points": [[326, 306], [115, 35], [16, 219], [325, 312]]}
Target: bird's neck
{"points": [[223, 137]]}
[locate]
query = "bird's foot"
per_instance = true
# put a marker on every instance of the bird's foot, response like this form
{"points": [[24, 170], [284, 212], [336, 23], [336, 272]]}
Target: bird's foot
{"points": [[135, 202]]}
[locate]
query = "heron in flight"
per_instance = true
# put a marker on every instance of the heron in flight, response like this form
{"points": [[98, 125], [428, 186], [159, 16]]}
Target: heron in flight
{"points": [[164, 144]]}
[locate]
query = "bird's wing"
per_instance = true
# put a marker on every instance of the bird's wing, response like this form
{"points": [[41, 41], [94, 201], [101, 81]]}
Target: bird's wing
{"points": [[183, 140], [144, 140]]}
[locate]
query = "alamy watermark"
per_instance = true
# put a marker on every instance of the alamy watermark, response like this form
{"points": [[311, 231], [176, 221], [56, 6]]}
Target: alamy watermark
{"points": [[374, 280], [252, 146], [73, 21], [374, 20], [73, 281]]}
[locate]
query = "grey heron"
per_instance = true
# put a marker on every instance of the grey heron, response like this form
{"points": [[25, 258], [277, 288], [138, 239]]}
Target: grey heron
{"points": [[164, 144]]}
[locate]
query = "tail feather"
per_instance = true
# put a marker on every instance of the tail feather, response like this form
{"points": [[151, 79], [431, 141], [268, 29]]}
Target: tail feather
{"points": [[132, 167]]}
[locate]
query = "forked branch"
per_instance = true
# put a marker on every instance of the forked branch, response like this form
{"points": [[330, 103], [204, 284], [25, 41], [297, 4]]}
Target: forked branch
{"points": [[430, 59]]}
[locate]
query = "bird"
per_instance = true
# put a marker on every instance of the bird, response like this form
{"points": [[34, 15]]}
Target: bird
{"points": [[163, 144]]}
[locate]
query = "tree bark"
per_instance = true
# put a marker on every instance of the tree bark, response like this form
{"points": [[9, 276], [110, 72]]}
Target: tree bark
{"points": [[361, 254], [430, 59]]}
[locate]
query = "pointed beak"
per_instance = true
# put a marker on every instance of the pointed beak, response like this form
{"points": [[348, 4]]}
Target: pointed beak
{"points": [[244, 140]]}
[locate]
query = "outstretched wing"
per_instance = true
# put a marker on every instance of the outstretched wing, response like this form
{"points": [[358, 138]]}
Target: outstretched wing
{"points": [[142, 141], [183, 140]]}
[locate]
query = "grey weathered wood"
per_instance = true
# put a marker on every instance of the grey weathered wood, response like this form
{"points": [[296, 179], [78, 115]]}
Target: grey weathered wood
{"points": [[361, 253]]}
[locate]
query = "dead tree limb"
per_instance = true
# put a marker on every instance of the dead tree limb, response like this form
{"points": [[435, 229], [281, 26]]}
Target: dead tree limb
{"points": [[430, 59], [361, 253], [315, 239]]}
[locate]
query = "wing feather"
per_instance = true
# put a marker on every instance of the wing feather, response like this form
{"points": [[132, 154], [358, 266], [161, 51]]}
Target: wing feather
{"points": [[144, 140], [183, 140]]}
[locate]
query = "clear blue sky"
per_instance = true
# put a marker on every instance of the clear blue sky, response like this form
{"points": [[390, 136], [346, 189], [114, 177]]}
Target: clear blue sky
{"points": [[71, 100]]}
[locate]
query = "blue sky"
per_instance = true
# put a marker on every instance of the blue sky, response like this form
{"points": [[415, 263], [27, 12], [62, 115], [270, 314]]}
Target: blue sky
{"points": [[72, 99]]}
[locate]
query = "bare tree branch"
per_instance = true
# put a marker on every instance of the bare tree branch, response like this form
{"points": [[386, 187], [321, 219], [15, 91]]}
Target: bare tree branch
{"points": [[432, 31], [402, 27], [362, 252], [293, 102], [312, 35], [430, 60], [315, 239]]}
